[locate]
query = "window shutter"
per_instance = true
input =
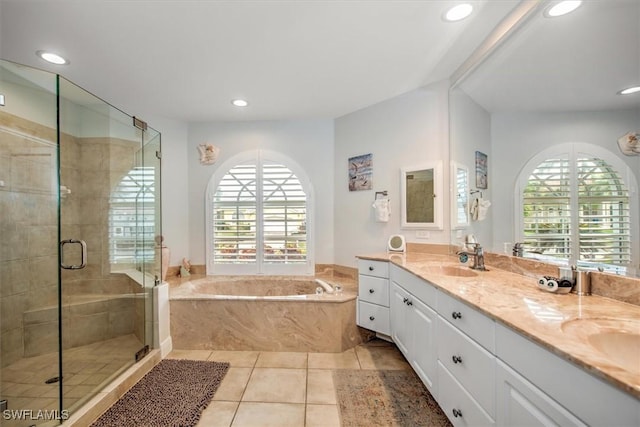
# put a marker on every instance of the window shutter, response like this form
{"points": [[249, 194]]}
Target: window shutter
{"points": [[599, 235], [284, 216], [234, 216], [255, 206], [547, 209], [604, 229], [133, 198]]}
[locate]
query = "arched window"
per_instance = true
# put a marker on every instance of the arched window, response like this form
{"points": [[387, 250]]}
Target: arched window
{"points": [[132, 211], [258, 217], [575, 206]]}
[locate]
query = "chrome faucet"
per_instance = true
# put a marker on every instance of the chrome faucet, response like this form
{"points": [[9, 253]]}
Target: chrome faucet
{"points": [[478, 257]]}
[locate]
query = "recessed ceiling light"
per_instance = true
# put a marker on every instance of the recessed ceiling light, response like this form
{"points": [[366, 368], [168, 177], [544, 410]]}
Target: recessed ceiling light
{"points": [[240, 103], [629, 90], [458, 12], [562, 8], [51, 57]]}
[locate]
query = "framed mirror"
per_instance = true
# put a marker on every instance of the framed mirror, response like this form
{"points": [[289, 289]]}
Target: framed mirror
{"points": [[460, 201], [421, 195]]}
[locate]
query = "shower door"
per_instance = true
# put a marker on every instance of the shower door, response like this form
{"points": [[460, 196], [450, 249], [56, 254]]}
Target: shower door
{"points": [[79, 211], [107, 229]]}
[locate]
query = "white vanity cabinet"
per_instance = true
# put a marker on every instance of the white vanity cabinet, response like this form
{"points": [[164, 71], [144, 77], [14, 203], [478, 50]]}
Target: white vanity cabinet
{"points": [[413, 324], [537, 387], [466, 363], [373, 295]]}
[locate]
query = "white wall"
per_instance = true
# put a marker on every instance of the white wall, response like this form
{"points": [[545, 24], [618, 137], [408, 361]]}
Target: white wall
{"points": [[308, 142], [471, 132], [407, 130], [517, 137], [175, 200]]}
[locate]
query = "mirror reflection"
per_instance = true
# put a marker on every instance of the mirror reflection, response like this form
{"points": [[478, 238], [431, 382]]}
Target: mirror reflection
{"points": [[421, 196], [546, 108]]}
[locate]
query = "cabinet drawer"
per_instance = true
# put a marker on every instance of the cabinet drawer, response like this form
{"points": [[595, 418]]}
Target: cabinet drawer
{"points": [[475, 324], [470, 364], [457, 403], [420, 288], [373, 268], [520, 403], [373, 317], [374, 290]]}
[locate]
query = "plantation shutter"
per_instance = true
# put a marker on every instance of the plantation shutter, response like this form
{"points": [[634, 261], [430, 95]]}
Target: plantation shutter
{"points": [[605, 235], [284, 216], [600, 233], [547, 209], [234, 216], [259, 216], [133, 200]]}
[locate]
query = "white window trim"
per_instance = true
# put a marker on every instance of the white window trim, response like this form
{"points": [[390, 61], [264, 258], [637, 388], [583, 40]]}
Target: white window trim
{"points": [[574, 149], [260, 268]]}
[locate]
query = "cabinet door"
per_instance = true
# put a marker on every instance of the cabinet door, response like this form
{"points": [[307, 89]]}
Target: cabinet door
{"points": [[520, 403], [399, 316], [424, 355]]}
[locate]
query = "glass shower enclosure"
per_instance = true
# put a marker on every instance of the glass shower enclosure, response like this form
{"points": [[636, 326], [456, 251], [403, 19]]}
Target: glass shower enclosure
{"points": [[79, 216]]}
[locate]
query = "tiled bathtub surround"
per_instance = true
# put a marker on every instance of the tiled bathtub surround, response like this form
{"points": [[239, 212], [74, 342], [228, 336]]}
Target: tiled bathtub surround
{"points": [[201, 320]]}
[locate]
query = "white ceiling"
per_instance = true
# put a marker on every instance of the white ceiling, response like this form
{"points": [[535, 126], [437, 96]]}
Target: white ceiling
{"points": [[577, 62], [186, 60]]}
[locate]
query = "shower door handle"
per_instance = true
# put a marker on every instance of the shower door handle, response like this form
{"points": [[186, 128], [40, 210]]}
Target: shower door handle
{"points": [[83, 256]]}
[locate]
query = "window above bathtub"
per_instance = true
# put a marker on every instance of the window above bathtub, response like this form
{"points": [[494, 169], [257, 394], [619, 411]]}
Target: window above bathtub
{"points": [[258, 217]]}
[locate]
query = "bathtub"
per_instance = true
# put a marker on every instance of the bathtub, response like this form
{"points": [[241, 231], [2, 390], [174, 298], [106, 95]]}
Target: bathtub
{"points": [[266, 313]]}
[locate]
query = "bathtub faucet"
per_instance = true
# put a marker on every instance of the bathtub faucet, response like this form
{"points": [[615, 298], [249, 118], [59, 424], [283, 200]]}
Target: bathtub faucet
{"points": [[327, 287]]}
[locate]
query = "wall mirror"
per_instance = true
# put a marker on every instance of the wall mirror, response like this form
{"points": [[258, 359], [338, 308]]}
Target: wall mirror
{"points": [[460, 199], [421, 194], [553, 82]]}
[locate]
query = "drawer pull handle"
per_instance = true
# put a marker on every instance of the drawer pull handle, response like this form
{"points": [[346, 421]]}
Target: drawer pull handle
{"points": [[371, 291], [456, 359], [372, 318], [457, 413], [371, 268], [456, 315]]}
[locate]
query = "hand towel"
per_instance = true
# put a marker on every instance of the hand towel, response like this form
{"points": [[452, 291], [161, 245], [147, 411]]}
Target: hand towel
{"points": [[382, 210]]}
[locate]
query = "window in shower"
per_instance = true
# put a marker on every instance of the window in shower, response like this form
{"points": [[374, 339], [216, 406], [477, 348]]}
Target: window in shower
{"points": [[258, 218], [132, 218]]}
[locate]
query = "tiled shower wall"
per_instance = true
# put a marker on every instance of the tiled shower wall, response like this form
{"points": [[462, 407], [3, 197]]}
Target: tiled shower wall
{"points": [[90, 168], [28, 226]]}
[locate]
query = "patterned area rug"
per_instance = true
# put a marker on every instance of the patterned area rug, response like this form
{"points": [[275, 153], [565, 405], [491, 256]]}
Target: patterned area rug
{"points": [[385, 398], [173, 393]]}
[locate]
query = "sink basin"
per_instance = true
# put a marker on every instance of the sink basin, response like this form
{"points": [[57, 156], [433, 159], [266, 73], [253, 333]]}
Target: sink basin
{"points": [[449, 270], [618, 340], [622, 348]]}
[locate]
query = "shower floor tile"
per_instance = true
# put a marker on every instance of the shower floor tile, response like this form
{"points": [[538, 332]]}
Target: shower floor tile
{"points": [[84, 369]]}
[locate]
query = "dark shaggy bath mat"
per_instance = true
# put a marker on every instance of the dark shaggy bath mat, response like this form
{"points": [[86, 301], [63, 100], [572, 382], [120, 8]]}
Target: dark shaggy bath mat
{"points": [[385, 398], [173, 393]]}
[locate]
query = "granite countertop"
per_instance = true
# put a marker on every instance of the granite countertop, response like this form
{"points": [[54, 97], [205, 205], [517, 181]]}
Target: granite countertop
{"points": [[546, 318]]}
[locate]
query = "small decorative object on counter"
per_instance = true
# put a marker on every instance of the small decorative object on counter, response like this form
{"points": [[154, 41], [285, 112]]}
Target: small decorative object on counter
{"points": [[185, 268], [555, 285]]}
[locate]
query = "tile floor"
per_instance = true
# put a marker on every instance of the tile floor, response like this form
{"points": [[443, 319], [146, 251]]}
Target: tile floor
{"points": [[86, 369], [284, 388]]}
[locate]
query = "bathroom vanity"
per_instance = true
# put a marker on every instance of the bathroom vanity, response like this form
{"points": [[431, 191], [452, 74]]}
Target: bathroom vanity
{"points": [[494, 350]]}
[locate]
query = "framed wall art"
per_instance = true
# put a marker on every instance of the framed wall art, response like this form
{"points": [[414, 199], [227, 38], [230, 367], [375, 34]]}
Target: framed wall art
{"points": [[481, 170]]}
